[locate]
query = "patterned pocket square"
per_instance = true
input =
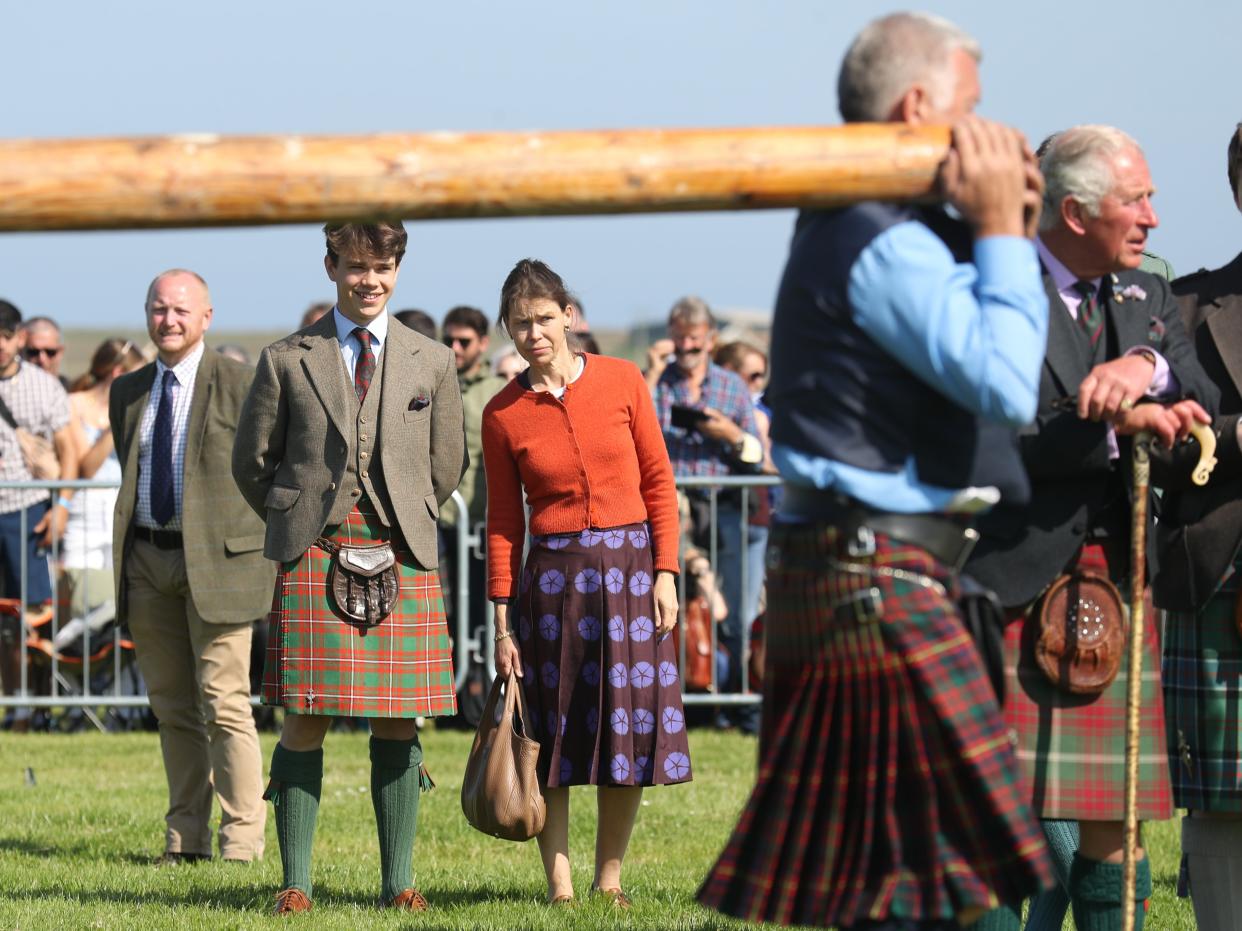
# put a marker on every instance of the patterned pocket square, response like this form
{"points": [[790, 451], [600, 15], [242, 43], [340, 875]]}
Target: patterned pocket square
{"points": [[419, 402]]}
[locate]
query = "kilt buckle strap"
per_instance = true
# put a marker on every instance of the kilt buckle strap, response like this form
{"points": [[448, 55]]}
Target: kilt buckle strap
{"points": [[363, 580]]}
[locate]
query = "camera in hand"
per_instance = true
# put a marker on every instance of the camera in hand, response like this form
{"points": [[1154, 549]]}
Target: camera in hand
{"points": [[688, 418]]}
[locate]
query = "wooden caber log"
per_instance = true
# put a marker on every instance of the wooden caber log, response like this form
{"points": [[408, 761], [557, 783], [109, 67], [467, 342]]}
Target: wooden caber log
{"points": [[207, 180]]}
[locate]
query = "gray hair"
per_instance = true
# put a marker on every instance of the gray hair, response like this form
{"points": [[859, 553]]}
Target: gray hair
{"points": [[894, 53], [691, 311], [1235, 165], [1078, 163]]}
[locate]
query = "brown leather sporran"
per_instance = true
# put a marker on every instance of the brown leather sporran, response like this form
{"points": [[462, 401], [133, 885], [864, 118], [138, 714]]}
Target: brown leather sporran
{"points": [[363, 581], [1082, 633], [500, 793]]}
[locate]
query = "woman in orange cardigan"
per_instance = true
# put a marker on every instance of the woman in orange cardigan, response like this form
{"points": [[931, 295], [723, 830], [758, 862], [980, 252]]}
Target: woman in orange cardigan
{"points": [[586, 621]]}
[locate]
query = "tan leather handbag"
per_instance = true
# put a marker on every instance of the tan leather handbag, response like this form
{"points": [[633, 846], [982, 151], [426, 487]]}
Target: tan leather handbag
{"points": [[500, 793], [1082, 632]]}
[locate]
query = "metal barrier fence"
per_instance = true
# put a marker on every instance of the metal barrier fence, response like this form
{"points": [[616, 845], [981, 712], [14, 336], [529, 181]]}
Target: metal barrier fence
{"points": [[70, 678]]}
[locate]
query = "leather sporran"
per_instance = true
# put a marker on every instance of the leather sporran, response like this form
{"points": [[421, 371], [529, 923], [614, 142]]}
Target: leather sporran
{"points": [[363, 580], [1082, 633], [500, 792]]}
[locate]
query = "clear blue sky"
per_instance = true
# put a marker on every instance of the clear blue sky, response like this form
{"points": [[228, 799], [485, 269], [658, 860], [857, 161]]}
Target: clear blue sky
{"points": [[1166, 73]]}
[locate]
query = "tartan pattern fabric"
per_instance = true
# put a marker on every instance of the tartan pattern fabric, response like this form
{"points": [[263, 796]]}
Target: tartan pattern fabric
{"points": [[1071, 748], [1202, 672], [887, 785], [690, 452], [39, 404], [317, 663], [182, 400]]}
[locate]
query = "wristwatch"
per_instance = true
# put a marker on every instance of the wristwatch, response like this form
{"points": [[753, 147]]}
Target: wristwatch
{"points": [[747, 449]]}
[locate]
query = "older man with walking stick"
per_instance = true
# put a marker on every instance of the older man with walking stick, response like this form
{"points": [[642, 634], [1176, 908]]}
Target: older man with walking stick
{"points": [[1115, 341]]}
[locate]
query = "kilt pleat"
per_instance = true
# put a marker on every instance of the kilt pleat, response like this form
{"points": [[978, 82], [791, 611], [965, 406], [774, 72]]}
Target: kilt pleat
{"points": [[603, 691], [1071, 748], [1202, 673], [887, 785], [319, 663]]}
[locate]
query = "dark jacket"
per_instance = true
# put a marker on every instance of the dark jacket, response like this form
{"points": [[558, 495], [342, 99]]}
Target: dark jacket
{"points": [[1024, 547], [1200, 530]]}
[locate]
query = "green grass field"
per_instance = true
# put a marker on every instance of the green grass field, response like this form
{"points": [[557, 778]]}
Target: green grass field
{"points": [[75, 847]]}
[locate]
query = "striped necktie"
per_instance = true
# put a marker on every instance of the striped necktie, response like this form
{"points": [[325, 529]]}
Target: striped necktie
{"points": [[1090, 311]]}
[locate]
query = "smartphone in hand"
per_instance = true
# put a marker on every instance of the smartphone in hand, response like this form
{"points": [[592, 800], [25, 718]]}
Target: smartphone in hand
{"points": [[688, 418]]}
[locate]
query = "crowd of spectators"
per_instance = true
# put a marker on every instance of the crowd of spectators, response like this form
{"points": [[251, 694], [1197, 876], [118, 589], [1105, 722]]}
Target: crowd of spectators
{"points": [[69, 559]]}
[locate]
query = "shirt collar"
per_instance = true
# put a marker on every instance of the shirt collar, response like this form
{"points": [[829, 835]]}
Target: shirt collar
{"points": [[1062, 278], [185, 368], [378, 328]]}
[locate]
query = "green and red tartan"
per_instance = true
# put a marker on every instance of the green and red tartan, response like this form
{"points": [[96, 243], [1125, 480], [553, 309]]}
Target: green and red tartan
{"points": [[887, 784], [317, 663], [1071, 748], [1202, 673]]}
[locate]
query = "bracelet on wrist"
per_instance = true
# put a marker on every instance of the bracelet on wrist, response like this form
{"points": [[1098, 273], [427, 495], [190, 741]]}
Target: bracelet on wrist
{"points": [[63, 502], [503, 635]]}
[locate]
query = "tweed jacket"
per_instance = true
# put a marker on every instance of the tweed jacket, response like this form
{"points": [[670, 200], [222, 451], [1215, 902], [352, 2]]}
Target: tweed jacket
{"points": [[230, 580], [1023, 548], [1200, 531], [298, 433]]}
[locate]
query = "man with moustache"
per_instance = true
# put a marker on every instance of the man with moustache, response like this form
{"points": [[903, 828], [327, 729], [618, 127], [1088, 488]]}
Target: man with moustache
{"points": [[723, 442], [1118, 362], [190, 572], [350, 442]]}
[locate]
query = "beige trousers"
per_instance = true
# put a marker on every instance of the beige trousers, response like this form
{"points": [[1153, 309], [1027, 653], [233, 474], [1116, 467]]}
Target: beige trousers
{"points": [[198, 680]]}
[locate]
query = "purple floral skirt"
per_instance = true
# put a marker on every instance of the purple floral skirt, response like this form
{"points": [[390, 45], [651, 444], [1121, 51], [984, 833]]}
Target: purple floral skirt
{"points": [[603, 692]]}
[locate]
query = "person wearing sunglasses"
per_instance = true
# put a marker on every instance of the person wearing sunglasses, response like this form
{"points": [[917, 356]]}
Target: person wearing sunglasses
{"points": [[465, 331], [45, 346]]}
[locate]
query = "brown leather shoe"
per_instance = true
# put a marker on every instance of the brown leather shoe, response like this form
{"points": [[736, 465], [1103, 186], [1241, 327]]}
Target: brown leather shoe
{"points": [[615, 897], [290, 901], [409, 900]]}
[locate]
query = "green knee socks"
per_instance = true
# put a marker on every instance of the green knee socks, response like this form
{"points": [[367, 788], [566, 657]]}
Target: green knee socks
{"points": [[395, 781], [1095, 894], [296, 780]]}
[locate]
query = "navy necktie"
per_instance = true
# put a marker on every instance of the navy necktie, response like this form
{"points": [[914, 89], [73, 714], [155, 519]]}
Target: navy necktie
{"points": [[163, 498]]}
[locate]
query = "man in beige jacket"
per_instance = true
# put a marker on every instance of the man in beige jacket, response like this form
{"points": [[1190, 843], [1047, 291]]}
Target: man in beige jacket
{"points": [[190, 572]]}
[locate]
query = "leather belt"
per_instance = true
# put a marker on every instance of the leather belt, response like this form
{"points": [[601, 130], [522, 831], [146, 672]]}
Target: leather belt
{"points": [[949, 539], [163, 539]]}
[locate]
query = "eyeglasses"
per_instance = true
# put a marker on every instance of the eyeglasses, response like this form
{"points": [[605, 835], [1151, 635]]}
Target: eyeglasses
{"points": [[33, 352], [465, 341]]}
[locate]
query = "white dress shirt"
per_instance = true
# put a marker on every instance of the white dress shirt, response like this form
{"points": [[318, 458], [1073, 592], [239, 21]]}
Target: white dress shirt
{"points": [[182, 395], [351, 346]]}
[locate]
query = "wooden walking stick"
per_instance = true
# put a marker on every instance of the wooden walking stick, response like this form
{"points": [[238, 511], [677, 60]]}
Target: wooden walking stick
{"points": [[1138, 585], [210, 180]]}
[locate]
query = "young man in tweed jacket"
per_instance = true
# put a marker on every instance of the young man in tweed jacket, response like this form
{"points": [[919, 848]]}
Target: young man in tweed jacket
{"points": [[352, 436]]}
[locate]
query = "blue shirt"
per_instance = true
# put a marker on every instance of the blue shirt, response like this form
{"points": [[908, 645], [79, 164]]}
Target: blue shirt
{"points": [[977, 333]]}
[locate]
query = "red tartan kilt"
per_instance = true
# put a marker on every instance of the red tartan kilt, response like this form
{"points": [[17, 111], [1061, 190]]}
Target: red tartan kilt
{"points": [[1071, 748], [317, 663], [887, 784]]}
